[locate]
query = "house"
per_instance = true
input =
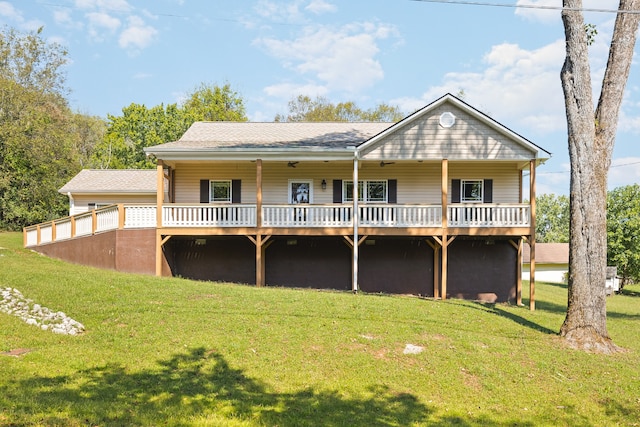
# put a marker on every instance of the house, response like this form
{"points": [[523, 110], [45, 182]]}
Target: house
{"points": [[552, 262], [97, 188], [431, 205]]}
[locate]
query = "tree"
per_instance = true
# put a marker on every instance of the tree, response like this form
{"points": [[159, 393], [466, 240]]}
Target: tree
{"points": [[214, 104], [591, 141], [623, 231], [38, 146], [304, 109], [139, 126], [552, 218]]}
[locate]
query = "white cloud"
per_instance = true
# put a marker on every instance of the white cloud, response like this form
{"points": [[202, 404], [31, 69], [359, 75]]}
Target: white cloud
{"points": [[549, 11], [624, 171], [110, 5], [342, 59], [290, 90], [279, 12], [517, 86], [137, 35], [320, 6], [101, 23], [8, 11], [539, 13]]}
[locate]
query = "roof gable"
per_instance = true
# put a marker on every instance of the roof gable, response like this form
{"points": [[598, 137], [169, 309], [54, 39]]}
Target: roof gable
{"points": [[472, 136]]}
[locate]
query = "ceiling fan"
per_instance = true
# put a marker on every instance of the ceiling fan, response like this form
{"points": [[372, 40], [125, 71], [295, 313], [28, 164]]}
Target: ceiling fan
{"points": [[292, 164], [383, 163]]}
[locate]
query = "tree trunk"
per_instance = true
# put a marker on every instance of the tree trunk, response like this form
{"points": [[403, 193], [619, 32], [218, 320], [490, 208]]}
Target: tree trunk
{"points": [[591, 140]]}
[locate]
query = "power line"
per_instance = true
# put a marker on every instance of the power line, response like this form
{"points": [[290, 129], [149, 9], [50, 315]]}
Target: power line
{"points": [[610, 167], [530, 6]]}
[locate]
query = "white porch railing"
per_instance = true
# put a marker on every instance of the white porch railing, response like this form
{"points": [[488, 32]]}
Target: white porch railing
{"points": [[489, 215], [306, 216], [236, 215], [400, 215], [140, 216], [209, 216]]}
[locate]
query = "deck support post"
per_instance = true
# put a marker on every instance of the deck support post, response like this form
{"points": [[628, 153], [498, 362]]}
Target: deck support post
{"points": [[159, 201], [518, 246], [356, 222], [444, 243], [258, 193], [532, 235], [262, 243]]}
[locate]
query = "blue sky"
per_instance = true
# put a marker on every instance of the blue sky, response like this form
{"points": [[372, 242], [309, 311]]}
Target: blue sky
{"points": [[407, 53]]}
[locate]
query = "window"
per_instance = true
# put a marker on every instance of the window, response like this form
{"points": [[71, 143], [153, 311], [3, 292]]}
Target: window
{"points": [[93, 206], [300, 191], [471, 190], [368, 191], [220, 191]]}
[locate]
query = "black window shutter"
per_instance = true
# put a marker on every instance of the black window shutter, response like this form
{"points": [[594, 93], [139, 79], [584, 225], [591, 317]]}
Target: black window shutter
{"points": [[236, 191], [204, 191], [455, 191], [337, 191], [488, 191], [392, 191]]}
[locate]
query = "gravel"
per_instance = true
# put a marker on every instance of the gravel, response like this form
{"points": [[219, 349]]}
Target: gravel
{"points": [[14, 303]]}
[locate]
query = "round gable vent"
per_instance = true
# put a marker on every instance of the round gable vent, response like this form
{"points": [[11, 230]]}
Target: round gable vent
{"points": [[447, 119]]}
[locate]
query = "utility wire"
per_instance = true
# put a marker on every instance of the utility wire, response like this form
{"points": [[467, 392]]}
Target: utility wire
{"points": [[530, 6]]}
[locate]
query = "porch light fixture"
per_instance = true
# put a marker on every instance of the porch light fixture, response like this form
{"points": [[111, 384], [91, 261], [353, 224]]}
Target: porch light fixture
{"points": [[324, 184]]}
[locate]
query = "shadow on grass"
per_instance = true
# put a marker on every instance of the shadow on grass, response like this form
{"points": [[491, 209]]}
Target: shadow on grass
{"points": [[496, 309], [199, 385]]}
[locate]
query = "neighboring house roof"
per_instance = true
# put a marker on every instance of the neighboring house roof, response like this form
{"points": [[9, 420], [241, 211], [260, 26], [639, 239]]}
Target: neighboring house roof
{"points": [[547, 253], [344, 140], [108, 181]]}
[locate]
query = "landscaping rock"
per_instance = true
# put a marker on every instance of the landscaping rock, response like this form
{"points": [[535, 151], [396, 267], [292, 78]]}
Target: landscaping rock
{"points": [[14, 303]]}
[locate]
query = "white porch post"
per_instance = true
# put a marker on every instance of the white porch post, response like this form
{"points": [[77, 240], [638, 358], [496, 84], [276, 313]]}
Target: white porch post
{"points": [[356, 220]]}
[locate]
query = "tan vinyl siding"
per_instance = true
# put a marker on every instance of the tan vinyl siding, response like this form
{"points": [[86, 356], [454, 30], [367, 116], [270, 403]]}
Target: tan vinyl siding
{"points": [[188, 176], [81, 202], [505, 176], [467, 139], [418, 182]]}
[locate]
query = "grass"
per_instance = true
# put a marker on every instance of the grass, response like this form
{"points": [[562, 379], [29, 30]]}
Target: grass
{"points": [[183, 353]]}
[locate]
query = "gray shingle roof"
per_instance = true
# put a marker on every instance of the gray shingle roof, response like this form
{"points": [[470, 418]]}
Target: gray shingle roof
{"points": [[221, 135], [112, 181], [547, 253]]}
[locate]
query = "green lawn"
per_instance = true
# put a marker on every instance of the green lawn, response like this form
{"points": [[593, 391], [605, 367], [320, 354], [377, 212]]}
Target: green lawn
{"points": [[181, 353]]}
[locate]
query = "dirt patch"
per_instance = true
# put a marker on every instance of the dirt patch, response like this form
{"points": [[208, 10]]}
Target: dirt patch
{"points": [[16, 352]]}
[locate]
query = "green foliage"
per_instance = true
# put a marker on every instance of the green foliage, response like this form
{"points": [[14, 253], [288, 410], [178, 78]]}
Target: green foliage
{"points": [[139, 126], [40, 138], [305, 109], [214, 104], [172, 352], [592, 32], [552, 218], [623, 231]]}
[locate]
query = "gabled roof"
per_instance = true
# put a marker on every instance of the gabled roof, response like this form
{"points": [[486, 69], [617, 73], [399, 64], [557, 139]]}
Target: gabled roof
{"points": [[247, 138], [547, 253], [108, 181], [468, 109], [343, 140]]}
